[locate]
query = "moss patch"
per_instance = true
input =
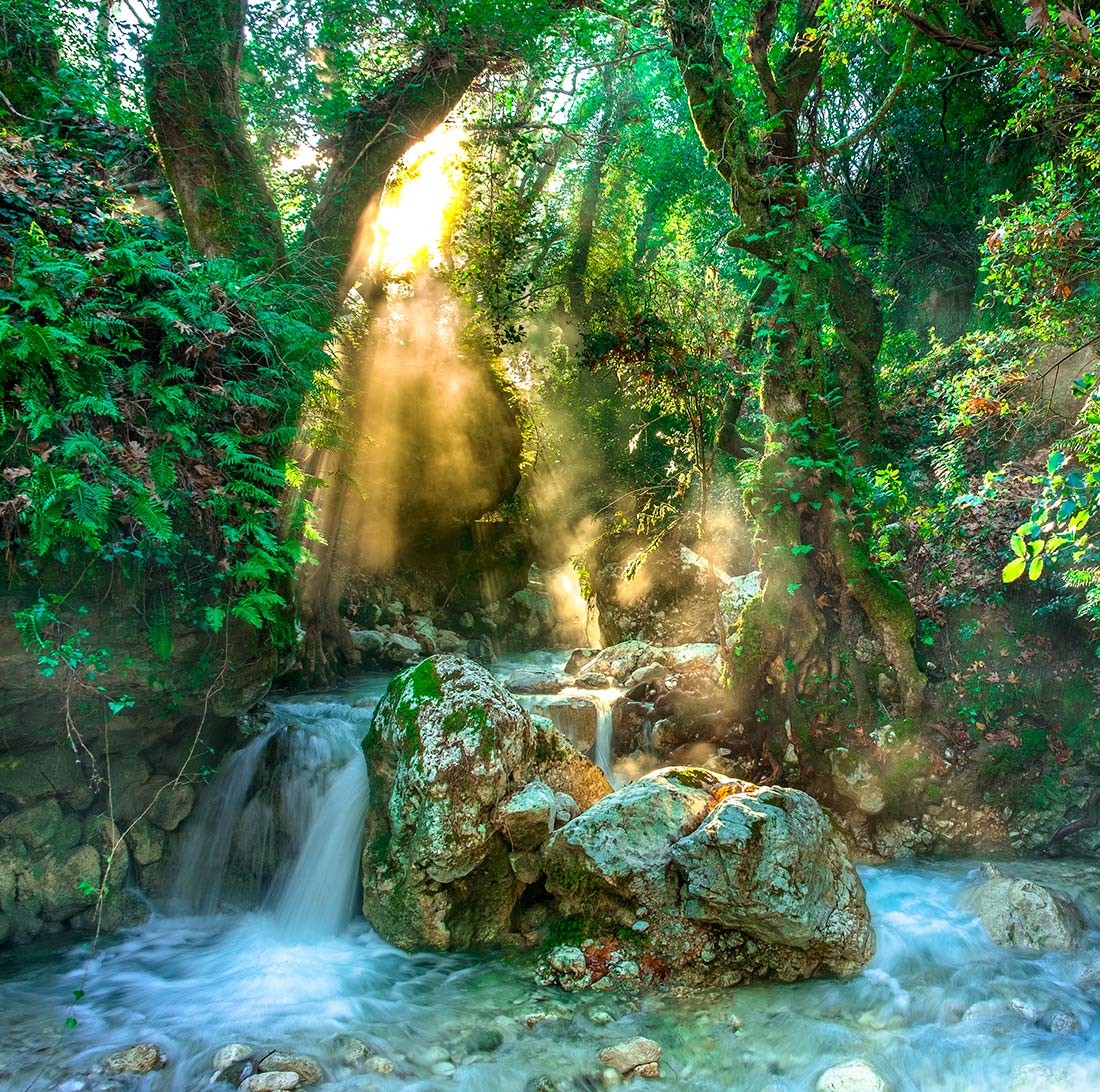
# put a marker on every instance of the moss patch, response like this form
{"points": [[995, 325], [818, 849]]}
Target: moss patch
{"points": [[694, 777]]}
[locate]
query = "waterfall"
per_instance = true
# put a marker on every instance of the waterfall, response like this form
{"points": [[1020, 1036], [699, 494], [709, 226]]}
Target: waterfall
{"points": [[209, 841], [604, 701], [280, 826], [318, 897], [559, 709]]}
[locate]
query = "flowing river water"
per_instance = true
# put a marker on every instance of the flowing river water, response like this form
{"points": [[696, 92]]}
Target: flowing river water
{"points": [[939, 1008]]}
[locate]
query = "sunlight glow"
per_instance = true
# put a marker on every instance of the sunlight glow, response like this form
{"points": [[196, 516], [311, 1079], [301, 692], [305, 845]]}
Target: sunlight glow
{"points": [[302, 156], [412, 222]]}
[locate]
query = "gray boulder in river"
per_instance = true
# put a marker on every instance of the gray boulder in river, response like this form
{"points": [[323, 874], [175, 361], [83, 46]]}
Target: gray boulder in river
{"points": [[719, 881], [1019, 913], [472, 837], [447, 748]]}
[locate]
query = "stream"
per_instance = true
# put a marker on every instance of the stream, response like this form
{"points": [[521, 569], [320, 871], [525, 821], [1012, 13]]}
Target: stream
{"points": [[260, 943]]}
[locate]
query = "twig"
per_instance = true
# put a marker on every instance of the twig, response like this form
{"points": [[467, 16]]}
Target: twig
{"points": [[11, 109]]}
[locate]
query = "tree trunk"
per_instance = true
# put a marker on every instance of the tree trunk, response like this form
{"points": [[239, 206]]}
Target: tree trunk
{"points": [[375, 135], [824, 609], [29, 55], [192, 83], [192, 68]]}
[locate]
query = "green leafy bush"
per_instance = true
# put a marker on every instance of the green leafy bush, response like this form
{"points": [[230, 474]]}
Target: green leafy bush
{"points": [[148, 400]]}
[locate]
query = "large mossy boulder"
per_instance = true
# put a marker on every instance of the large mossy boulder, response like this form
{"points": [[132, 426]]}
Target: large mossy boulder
{"points": [[487, 826], [447, 750], [709, 880]]}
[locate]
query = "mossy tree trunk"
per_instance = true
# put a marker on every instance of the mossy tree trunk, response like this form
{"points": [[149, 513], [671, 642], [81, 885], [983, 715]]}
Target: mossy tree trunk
{"points": [[800, 643], [192, 84]]}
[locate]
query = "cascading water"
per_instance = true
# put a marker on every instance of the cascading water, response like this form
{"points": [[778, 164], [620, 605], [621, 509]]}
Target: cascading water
{"points": [[600, 749], [284, 823], [940, 1009], [207, 848], [318, 896], [604, 703]]}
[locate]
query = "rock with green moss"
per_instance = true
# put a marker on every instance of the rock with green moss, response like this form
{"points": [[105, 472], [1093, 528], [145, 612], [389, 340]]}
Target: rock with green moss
{"points": [[706, 880], [447, 748], [621, 846]]}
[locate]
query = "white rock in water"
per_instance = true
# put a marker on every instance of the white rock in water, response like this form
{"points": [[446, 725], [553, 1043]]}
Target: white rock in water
{"points": [[1022, 914], [628, 1056], [1064, 1023], [278, 1061], [378, 1065], [851, 1077], [569, 960], [530, 680], [230, 1054], [140, 1058], [270, 1082]]}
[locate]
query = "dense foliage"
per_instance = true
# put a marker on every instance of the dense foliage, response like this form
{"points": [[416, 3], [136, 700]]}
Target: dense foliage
{"points": [[826, 270], [150, 401]]}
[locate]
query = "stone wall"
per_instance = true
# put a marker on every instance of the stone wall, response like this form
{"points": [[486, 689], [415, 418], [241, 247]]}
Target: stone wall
{"points": [[91, 802]]}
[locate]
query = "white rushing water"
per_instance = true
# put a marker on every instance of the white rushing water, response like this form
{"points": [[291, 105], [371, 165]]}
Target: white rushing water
{"points": [[286, 808], [940, 1008], [604, 703]]}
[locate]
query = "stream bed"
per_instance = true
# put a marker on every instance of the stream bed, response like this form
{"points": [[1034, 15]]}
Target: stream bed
{"points": [[939, 1008]]}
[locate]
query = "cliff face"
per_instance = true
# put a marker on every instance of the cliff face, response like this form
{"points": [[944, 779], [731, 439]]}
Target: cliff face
{"points": [[92, 801], [147, 403]]}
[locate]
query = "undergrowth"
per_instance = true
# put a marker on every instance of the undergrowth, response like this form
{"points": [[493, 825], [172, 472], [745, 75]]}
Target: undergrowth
{"points": [[148, 399]]}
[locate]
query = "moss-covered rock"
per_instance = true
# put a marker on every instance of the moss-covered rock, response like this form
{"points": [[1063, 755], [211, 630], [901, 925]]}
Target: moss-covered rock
{"points": [[692, 876], [446, 748]]}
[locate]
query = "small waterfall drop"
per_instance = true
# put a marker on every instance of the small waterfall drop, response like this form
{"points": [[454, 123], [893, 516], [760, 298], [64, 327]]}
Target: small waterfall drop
{"points": [[209, 842], [604, 703], [318, 897], [282, 825]]}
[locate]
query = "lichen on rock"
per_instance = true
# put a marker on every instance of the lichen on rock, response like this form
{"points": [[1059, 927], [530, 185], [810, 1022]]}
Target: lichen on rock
{"points": [[446, 748]]}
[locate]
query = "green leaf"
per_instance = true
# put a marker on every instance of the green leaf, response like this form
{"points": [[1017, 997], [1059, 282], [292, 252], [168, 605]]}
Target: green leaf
{"points": [[1035, 569], [1013, 570]]}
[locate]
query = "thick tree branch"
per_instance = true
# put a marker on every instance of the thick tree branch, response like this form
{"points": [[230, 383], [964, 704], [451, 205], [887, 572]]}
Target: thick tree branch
{"points": [[876, 119], [376, 133], [943, 35], [719, 115], [802, 64], [760, 41]]}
